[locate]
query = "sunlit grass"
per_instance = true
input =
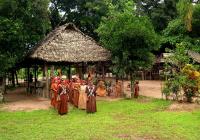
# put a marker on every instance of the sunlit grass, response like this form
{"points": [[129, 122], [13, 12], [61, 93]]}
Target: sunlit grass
{"points": [[124, 119]]}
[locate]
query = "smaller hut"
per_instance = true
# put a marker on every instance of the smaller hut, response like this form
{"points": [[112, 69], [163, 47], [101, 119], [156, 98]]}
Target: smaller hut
{"points": [[195, 56]]}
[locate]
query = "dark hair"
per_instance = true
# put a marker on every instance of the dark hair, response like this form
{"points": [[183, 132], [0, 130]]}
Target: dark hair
{"points": [[136, 82]]}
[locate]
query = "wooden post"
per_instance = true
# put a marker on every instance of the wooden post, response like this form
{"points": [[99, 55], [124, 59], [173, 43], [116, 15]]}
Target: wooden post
{"points": [[103, 71], [150, 75], [142, 75], [47, 81], [28, 79], [69, 72], [43, 72], [35, 77], [1, 90], [78, 68], [52, 71], [82, 71]]}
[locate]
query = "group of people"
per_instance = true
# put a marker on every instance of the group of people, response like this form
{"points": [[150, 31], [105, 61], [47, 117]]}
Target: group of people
{"points": [[80, 93]]}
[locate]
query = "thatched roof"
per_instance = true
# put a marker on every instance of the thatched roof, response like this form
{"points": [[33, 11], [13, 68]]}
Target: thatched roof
{"points": [[68, 44], [194, 55]]}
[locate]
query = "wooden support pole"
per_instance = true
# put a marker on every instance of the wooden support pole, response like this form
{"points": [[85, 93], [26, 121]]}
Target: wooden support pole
{"points": [[150, 75], [52, 71], [82, 71], [43, 72], [28, 79], [47, 81], [103, 71], [142, 75], [35, 77], [69, 72]]}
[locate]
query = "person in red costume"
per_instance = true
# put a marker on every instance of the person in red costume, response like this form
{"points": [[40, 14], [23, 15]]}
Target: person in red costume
{"points": [[136, 89], [91, 98], [63, 96], [54, 91], [76, 91]]}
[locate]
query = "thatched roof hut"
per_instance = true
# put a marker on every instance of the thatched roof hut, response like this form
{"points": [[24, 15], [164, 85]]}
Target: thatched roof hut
{"points": [[68, 44], [194, 55]]}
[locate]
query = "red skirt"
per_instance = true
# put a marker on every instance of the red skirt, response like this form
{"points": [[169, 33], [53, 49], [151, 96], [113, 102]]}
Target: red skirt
{"points": [[75, 98], [54, 100], [91, 104], [63, 104], [71, 96]]}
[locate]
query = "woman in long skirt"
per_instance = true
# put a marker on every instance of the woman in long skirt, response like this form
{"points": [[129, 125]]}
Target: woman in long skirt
{"points": [[54, 92], [91, 98], [76, 91], [63, 98], [82, 97]]}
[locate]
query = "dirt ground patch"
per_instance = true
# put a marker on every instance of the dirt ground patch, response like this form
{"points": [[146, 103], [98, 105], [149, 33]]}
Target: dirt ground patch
{"points": [[150, 88], [183, 107], [19, 100]]}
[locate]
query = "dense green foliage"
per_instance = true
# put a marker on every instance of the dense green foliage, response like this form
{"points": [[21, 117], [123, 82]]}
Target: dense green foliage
{"points": [[124, 119], [86, 15], [181, 75], [129, 37], [22, 25], [128, 28], [185, 28], [159, 12]]}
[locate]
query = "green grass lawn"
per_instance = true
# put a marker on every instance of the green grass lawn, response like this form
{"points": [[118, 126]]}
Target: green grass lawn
{"points": [[124, 119]]}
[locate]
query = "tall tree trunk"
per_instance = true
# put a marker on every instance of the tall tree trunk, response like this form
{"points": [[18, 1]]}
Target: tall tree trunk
{"points": [[13, 78], [35, 77], [132, 84], [1, 89], [28, 79], [17, 82], [123, 89], [47, 82]]}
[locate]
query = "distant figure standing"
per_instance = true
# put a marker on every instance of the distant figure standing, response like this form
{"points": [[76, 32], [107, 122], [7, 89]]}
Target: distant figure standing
{"points": [[136, 89], [109, 87], [118, 89], [101, 89], [91, 98]]}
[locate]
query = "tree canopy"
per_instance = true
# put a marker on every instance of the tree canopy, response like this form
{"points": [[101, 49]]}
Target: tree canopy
{"points": [[128, 28], [185, 28], [130, 38], [160, 12], [22, 25]]}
